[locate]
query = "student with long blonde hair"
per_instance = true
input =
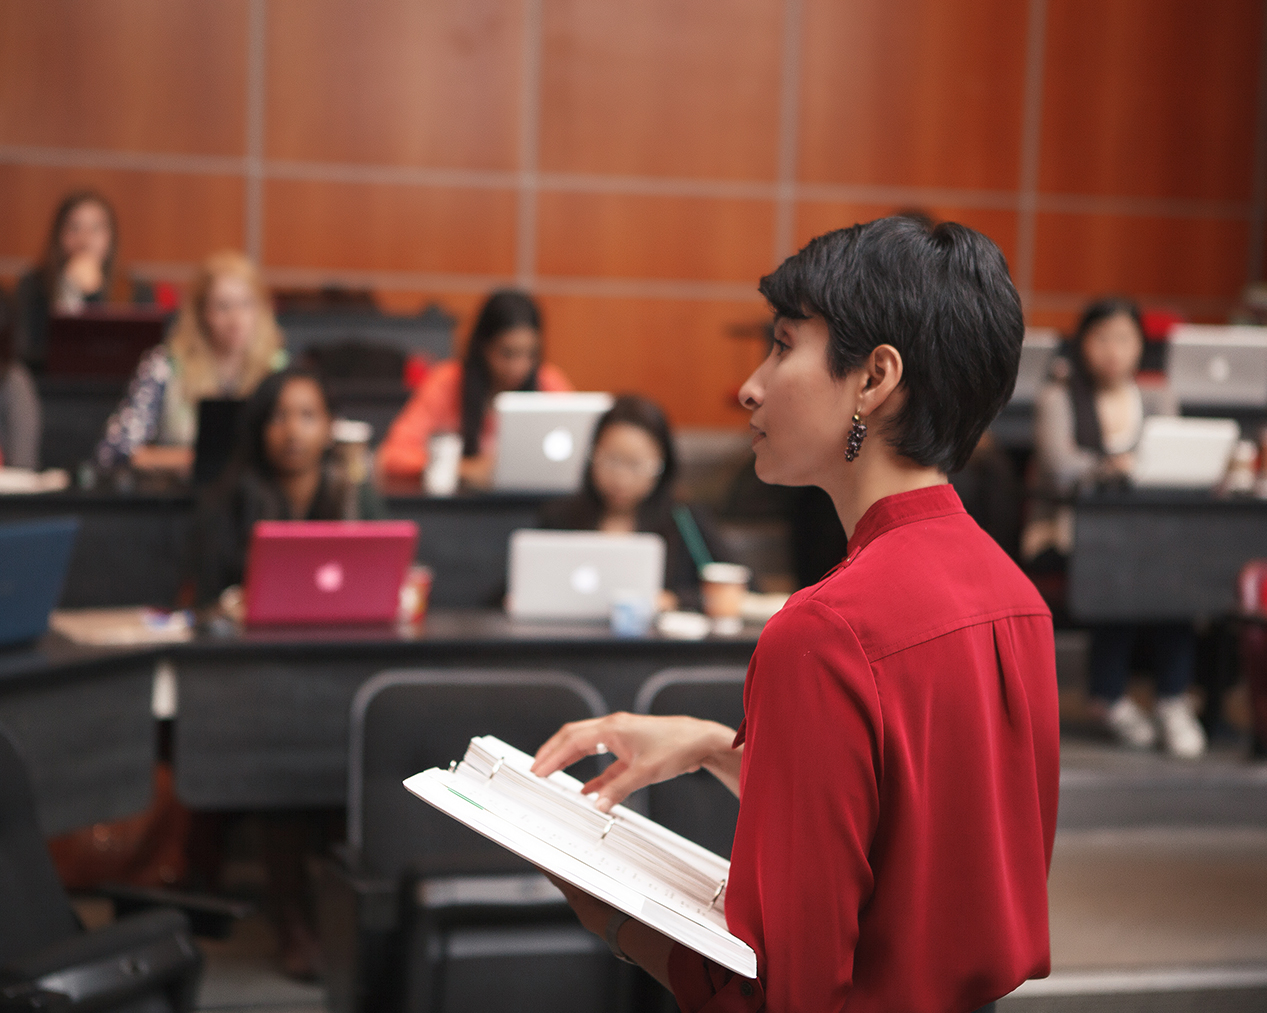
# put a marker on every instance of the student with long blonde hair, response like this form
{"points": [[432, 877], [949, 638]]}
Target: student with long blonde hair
{"points": [[224, 342]]}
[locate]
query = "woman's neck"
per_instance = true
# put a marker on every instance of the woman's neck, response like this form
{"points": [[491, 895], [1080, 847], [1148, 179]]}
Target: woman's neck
{"points": [[857, 485], [618, 521], [229, 367], [300, 490]]}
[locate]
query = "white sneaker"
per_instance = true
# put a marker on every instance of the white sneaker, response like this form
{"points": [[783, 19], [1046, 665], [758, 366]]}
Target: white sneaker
{"points": [[1180, 730], [1130, 724]]}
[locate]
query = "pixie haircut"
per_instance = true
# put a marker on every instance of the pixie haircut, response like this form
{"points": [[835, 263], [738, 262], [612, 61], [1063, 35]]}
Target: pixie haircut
{"points": [[941, 297]]}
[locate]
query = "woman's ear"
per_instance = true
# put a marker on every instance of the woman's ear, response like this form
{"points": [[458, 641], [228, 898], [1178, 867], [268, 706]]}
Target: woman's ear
{"points": [[881, 374]]}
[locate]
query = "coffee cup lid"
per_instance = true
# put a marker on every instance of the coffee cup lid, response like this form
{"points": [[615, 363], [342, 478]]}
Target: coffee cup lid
{"points": [[725, 573]]}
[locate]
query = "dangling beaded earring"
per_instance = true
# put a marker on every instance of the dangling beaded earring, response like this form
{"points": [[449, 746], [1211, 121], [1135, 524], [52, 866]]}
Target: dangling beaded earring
{"points": [[857, 433]]}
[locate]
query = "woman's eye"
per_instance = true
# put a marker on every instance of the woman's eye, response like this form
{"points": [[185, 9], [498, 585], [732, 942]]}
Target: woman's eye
{"points": [[780, 346]]}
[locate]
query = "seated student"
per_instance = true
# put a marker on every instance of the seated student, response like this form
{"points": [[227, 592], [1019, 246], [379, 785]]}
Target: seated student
{"points": [[20, 420], [280, 471], [628, 486], [898, 763], [504, 353], [77, 270], [1086, 428], [224, 343]]}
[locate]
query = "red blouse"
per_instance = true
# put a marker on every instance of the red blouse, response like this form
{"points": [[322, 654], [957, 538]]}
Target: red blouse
{"points": [[899, 780]]}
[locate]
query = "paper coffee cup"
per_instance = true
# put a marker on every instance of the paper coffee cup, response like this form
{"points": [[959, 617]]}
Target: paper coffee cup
{"points": [[723, 586], [444, 454]]}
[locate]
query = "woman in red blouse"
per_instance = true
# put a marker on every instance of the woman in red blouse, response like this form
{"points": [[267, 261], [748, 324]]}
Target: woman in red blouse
{"points": [[897, 766]]}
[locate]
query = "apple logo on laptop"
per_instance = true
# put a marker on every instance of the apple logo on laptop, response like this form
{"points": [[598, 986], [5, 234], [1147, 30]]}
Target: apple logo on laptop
{"points": [[329, 577], [558, 445], [1219, 368], [585, 579]]}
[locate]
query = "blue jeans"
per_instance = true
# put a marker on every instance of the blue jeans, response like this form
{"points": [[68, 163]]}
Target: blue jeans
{"points": [[1174, 650]]}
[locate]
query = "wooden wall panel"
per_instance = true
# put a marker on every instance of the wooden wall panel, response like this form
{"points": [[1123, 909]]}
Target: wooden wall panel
{"points": [[816, 217], [144, 75], [1144, 257], [654, 237], [395, 82], [661, 87], [380, 227], [681, 353], [163, 217], [1151, 97], [916, 92]]}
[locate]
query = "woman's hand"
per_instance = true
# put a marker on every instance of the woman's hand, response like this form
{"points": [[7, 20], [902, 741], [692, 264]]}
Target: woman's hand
{"points": [[157, 458], [84, 272], [647, 749], [476, 472]]}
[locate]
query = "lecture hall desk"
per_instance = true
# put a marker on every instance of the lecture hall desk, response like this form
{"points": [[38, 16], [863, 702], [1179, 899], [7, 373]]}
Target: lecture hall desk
{"points": [[1157, 556], [262, 716], [131, 545]]}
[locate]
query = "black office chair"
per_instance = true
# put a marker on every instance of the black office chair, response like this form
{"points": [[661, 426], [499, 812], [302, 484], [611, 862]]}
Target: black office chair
{"points": [[697, 805], [419, 913], [145, 963]]}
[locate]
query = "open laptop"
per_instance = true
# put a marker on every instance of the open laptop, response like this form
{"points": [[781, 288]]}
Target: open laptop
{"points": [[1182, 453], [1037, 350], [543, 439], [1218, 366], [34, 557], [103, 342], [218, 419], [339, 572], [573, 574]]}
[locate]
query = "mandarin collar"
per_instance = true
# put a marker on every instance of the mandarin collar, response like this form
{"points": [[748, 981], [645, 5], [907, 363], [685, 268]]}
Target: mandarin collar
{"points": [[903, 508]]}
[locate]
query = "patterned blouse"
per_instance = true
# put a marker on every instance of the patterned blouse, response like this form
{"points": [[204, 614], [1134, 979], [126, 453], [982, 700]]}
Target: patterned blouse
{"points": [[154, 410]]}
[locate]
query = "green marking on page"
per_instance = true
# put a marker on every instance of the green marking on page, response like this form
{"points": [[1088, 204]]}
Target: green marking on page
{"points": [[464, 798]]}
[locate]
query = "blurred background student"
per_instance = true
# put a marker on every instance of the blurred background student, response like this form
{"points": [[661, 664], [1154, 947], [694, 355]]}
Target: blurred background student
{"points": [[224, 342], [628, 486], [282, 470], [20, 420], [78, 270], [1086, 429], [504, 353]]}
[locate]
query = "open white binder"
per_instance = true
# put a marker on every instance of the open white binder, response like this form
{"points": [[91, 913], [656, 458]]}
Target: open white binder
{"points": [[622, 858]]}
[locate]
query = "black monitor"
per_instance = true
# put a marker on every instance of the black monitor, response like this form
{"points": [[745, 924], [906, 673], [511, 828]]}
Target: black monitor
{"points": [[218, 420]]}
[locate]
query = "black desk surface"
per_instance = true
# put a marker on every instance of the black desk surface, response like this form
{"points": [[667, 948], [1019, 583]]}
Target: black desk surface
{"points": [[1161, 556], [263, 714], [132, 545]]}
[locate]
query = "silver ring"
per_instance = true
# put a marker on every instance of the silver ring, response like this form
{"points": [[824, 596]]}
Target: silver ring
{"points": [[600, 749]]}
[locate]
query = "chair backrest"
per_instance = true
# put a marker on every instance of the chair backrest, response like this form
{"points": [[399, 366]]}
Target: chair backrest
{"points": [[34, 910], [697, 806], [406, 721]]}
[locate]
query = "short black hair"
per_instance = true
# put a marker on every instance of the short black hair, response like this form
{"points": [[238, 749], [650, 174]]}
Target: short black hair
{"points": [[942, 297]]}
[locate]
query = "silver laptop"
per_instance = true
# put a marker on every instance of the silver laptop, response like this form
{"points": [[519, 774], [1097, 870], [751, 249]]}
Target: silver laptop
{"points": [[1039, 346], [573, 574], [543, 439], [1224, 366], [1179, 453]]}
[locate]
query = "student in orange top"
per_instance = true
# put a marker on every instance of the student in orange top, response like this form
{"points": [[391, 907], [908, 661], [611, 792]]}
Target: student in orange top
{"points": [[504, 353]]}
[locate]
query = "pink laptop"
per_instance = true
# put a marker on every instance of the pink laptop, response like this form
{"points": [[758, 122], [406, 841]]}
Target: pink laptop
{"points": [[303, 572]]}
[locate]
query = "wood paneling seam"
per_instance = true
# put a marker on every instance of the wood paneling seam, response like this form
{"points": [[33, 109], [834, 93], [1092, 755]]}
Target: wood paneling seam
{"points": [[1031, 147], [529, 146], [653, 186], [256, 68], [789, 112]]}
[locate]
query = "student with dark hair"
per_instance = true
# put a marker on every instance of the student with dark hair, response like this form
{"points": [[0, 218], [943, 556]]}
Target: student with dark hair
{"points": [[78, 269], [898, 762], [504, 353], [280, 471], [1086, 427], [20, 420], [628, 486]]}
